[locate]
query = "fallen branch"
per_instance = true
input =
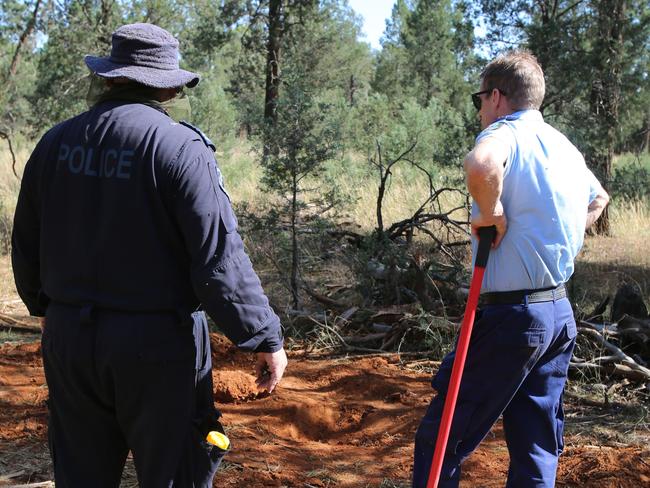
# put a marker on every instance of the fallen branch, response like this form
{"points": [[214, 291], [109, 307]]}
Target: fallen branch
{"points": [[42, 484], [345, 356], [392, 337], [13, 324], [608, 329], [640, 372], [347, 346], [8, 476], [327, 301], [364, 339], [613, 369]]}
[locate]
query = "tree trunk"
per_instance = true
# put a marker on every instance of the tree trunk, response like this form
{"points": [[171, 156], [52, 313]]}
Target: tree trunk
{"points": [[646, 139], [603, 168], [383, 176], [276, 30], [606, 93], [353, 89], [294, 244]]}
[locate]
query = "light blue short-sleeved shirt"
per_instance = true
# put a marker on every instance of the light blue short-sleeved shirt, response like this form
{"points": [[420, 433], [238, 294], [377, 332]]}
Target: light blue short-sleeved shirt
{"points": [[547, 189]]}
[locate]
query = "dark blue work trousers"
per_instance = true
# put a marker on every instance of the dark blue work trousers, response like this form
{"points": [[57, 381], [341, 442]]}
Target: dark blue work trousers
{"points": [[516, 365], [121, 382]]}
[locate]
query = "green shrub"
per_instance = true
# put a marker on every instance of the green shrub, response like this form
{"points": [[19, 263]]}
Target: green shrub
{"points": [[631, 181]]}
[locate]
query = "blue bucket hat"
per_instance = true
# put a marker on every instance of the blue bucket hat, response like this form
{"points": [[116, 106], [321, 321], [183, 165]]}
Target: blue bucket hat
{"points": [[144, 53]]}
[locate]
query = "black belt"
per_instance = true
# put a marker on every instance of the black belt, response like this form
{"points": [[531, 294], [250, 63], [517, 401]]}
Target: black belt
{"points": [[87, 311], [524, 296]]}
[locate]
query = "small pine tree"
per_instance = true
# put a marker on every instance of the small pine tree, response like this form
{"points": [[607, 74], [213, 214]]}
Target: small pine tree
{"points": [[299, 143]]}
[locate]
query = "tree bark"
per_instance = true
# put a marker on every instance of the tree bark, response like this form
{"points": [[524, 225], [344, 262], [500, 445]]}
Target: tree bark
{"points": [[273, 45]]}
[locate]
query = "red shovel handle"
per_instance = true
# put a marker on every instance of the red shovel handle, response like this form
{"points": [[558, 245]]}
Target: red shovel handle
{"points": [[486, 237]]}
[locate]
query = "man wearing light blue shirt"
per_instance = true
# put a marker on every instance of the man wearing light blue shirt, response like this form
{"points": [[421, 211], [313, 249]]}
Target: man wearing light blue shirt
{"points": [[532, 184]]}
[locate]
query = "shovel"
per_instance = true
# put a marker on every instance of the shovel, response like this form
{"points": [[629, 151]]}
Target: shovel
{"points": [[486, 236]]}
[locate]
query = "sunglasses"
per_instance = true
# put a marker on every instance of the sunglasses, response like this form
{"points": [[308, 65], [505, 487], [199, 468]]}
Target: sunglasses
{"points": [[476, 97]]}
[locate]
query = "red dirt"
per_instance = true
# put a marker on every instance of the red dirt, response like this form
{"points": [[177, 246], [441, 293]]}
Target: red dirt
{"points": [[332, 422]]}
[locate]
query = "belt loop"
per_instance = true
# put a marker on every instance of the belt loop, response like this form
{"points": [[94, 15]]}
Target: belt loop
{"points": [[86, 315], [526, 300]]}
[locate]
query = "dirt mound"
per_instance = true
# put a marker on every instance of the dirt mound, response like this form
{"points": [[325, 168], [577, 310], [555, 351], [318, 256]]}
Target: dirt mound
{"points": [[345, 423], [604, 467], [225, 355], [233, 386]]}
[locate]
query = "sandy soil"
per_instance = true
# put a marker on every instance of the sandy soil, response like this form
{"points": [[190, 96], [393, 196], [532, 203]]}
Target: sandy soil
{"points": [[346, 422]]}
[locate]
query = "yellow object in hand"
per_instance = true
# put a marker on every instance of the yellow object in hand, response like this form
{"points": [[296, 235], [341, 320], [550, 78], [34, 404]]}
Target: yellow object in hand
{"points": [[218, 439]]}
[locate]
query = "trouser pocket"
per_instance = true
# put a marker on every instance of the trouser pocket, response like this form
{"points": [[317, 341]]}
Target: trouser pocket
{"points": [[207, 457], [201, 459]]}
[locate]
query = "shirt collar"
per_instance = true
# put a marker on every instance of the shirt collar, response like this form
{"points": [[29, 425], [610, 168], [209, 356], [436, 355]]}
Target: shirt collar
{"points": [[528, 114]]}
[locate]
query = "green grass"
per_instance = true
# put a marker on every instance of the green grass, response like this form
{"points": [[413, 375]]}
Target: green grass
{"points": [[623, 160]]}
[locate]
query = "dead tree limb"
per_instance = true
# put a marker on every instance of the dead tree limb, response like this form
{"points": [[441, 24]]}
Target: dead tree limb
{"points": [[625, 360], [614, 369], [346, 346], [384, 174], [42, 484], [364, 339], [601, 328], [4, 135], [327, 301], [8, 322]]}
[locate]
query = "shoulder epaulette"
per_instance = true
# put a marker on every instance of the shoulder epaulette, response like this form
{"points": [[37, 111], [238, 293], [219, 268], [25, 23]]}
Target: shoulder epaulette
{"points": [[206, 139]]}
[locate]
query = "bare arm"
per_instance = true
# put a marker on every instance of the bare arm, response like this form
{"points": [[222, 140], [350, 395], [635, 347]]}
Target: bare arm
{"points": [[596, 207], [484, 172]]}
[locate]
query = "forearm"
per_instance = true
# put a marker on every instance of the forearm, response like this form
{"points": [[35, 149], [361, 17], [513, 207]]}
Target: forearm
{"points": [[233, 297], [596, 208], [484, 168], [485, 184]]}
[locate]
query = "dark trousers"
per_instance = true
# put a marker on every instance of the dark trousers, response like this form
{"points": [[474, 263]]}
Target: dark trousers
{"points": [[516, 365], [120, 381]]}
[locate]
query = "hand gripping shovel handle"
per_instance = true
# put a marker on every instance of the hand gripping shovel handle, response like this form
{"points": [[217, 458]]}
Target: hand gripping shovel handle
{"points": [[486, 236]]}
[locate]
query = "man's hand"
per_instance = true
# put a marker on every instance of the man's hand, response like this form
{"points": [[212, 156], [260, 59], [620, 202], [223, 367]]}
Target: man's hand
{"points": [[596, 207], [497, 218], [270, 368], [41, 322]]}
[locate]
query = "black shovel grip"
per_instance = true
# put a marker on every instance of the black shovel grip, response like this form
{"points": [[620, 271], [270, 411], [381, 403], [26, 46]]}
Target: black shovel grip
{"points": [[486, 236]]}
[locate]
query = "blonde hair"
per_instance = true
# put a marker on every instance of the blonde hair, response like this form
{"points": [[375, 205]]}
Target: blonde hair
{"points": [[519, 76]]}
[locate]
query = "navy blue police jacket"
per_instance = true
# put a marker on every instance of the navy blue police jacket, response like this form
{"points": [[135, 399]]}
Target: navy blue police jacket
{"points": [[121, 208]]}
